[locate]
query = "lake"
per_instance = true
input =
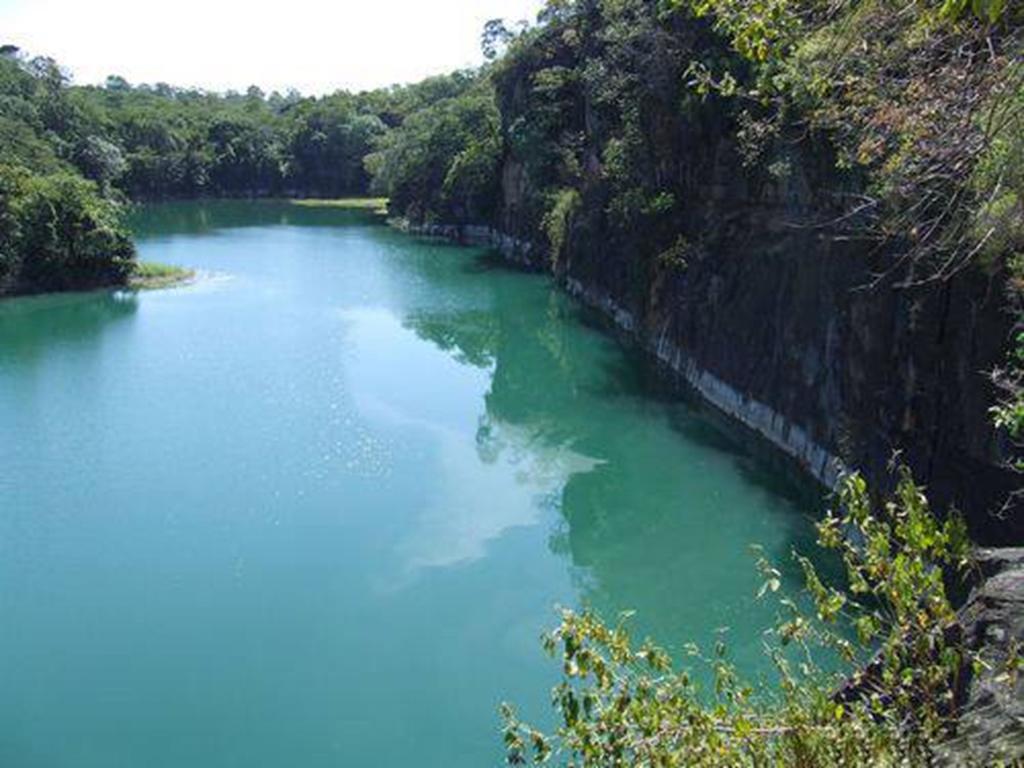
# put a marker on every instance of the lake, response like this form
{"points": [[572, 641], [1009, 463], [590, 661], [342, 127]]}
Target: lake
{"points": [[317, 508]]}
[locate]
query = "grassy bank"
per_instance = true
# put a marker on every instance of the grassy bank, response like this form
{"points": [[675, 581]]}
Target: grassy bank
{"points": [[149, 276], [374, 204]]}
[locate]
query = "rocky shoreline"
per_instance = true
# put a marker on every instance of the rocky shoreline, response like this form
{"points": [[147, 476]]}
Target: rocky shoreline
{"points": [[990, 724]]}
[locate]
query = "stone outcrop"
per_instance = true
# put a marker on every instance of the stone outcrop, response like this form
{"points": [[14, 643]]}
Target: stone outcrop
{"points": [[991, 724]]}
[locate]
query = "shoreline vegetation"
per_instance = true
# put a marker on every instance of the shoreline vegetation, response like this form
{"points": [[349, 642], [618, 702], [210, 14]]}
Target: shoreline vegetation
{"points": [[375, 205], [152, 276]]}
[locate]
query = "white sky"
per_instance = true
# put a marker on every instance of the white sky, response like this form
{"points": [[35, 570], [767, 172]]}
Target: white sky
{"points": [[317, 46]]}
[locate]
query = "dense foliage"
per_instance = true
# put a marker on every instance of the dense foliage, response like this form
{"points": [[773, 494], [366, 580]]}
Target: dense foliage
{"points": [[81, 152], [920, 102], [160, 141], [58, 233], [893, 702], [165, 142], [443, 161], [57, 229]]}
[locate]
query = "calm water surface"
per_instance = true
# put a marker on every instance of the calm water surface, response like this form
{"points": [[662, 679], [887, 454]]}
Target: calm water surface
{"points": [[316, 509]]}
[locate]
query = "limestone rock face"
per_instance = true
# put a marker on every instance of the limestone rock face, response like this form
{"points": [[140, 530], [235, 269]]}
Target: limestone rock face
{"points": [[827, 344], [991, 727]]}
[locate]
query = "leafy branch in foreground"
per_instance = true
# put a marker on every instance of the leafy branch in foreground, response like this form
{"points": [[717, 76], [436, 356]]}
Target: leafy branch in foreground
{"points": [[891, 702]]}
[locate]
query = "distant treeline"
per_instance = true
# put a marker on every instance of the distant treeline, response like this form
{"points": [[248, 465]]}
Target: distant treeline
{"points": [[72, 156]]}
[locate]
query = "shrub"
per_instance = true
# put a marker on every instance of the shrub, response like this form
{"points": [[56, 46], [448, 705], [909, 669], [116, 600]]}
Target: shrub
{"points": [[558, 221], [622, 704]]}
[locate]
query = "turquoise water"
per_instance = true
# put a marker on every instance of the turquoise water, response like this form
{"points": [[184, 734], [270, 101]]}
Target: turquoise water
{"points": [[317, 508]]}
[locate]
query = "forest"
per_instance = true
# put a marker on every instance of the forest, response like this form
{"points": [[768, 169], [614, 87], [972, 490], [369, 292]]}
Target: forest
{"points": [[73, 158]]}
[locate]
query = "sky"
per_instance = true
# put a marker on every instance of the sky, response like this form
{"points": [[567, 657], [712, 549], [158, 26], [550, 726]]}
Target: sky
{"points": [[316, 46]]}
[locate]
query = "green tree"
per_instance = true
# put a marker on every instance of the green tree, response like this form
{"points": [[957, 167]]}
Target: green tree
{"points": [[58, 233], [441, 163]]}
